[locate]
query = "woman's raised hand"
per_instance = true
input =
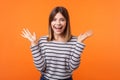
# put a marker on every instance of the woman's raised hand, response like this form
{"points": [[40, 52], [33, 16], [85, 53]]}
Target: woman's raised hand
{"points": [[84, 36], [31, 37]]}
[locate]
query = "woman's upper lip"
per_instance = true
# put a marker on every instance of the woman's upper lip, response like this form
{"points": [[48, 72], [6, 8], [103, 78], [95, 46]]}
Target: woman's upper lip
{"points": [[58, 26]]}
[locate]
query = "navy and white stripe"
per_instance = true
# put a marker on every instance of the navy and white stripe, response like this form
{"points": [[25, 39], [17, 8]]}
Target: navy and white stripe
{"points": [[57, 60]]}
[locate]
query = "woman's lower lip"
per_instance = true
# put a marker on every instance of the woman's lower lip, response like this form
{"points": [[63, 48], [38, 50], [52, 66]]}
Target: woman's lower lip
{"points": [[58, 30]]}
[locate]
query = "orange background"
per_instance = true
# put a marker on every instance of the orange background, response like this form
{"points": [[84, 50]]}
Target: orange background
{"points": [[101, 57]]}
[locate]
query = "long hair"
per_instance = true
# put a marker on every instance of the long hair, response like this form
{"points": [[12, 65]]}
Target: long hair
{"points": [[67, 31]]}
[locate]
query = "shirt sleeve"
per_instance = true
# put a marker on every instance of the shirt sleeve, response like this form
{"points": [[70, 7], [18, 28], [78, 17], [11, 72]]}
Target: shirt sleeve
{"points": [[38, 57], [75, 55]]}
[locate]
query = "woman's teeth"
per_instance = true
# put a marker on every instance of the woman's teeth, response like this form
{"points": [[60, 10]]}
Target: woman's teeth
{"points": [[58, 27]]}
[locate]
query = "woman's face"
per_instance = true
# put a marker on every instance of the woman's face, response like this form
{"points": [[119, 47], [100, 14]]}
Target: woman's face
{"points": [[58, 24]]}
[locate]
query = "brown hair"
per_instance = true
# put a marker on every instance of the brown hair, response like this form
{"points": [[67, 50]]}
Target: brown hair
{"points": [[67, 31]]}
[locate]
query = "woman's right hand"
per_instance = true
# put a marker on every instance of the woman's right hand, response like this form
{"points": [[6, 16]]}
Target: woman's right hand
{"points": [[31, 37]]}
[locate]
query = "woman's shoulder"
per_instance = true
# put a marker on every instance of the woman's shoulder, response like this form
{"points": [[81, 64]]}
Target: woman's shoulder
{"points": [[43, 38], [74, 38]]}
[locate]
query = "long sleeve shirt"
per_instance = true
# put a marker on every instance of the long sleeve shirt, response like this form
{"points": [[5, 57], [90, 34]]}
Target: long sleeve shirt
{"points": [[57, 60]]}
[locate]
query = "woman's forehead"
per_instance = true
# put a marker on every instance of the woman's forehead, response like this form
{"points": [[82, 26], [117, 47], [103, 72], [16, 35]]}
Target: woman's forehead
{"points": [[59, 15]]}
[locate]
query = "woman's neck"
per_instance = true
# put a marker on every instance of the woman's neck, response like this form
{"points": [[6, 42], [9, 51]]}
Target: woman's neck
{"points": [[59, 38]]}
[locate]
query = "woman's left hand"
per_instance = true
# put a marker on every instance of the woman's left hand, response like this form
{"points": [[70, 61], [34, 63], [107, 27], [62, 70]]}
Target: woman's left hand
{"points": [[84, 36]]}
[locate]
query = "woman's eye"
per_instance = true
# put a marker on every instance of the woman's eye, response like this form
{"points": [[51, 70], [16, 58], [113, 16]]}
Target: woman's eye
{"points": [[62, 19], [54, 19]]}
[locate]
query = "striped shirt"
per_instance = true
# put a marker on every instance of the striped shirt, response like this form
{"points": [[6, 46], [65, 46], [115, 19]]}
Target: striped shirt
{"points": [[57, 60]]}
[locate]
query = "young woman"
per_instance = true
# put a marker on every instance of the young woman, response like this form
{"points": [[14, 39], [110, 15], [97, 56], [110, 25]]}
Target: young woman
{"points": [[57, 55]]}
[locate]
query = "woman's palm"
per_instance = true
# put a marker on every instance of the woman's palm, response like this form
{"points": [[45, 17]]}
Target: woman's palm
{"points": [[26, 34], [84, 36]]}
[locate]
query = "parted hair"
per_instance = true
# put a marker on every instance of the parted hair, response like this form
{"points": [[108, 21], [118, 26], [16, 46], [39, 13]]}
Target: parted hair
{"points": [[67, 32]]}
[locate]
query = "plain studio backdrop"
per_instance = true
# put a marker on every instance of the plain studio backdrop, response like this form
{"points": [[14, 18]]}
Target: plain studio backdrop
{"points": [[101, 57]]}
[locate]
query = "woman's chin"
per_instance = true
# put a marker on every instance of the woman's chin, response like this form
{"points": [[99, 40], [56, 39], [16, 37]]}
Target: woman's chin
{"points": [[57, 33]]}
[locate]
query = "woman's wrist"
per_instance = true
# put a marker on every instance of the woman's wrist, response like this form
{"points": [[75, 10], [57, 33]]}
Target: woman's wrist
{"points": [[80, 41], [33, 43]]}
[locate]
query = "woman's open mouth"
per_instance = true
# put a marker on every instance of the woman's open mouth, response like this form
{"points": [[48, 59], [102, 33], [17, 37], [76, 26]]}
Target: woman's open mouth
{"points": [[58, 28]]}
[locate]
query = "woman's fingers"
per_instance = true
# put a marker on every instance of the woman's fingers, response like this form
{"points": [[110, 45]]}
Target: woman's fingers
{"points": [[89, 33], [26, 34], [23, 35], [84, 36], [34, 35]]}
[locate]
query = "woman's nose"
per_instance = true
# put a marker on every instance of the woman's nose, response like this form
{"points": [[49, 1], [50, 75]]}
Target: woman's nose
{"points": [[57, 22]]}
